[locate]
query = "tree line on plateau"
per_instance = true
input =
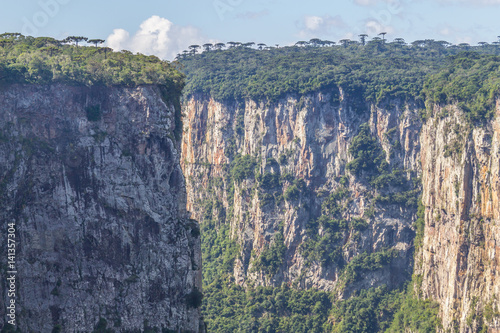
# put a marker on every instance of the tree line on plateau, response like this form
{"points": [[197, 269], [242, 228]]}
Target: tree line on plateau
{"points": [[26, 59], [316, 42]]}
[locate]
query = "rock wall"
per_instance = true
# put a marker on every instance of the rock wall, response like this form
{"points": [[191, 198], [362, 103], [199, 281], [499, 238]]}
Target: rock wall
{"points": [[455, 163], [300, 138], [459, 260], [92, 180]]}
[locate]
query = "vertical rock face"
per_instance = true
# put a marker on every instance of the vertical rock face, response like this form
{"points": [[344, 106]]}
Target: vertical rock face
{"points": [[291, 140], [456, 260], [459, 259], [92, 180]]}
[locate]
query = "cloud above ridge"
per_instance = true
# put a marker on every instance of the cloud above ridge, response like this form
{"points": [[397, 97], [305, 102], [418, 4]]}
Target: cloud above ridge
{"points": [[156, 36], [316, 26]]}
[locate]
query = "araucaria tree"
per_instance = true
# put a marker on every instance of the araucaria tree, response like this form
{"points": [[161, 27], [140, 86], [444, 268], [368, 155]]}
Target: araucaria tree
{"points": [[75, 39], [96, 41]]}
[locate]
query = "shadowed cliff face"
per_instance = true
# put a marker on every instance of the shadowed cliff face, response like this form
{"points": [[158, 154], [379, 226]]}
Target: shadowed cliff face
{"points": [[298, 149], [91, 178]]}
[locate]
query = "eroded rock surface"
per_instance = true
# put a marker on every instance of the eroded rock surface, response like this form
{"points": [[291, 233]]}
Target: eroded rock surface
{"points": [[459, 260], [455, 166], [91, 177], [306, 139]]}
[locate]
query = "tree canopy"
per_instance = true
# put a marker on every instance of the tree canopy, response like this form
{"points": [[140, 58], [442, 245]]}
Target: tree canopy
{"points": [[370, 73], [46, 60], [469, 79]]}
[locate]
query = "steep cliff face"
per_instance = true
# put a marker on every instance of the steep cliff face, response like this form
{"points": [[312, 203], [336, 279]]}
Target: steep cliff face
{"points": [[459, 259], [279, 168], [92, 180], [454, 164]]}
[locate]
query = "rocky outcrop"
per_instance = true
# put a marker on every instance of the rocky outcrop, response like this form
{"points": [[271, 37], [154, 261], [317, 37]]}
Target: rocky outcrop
{"points": [[91, 179], [459, 260], [455, 163], [301, 138]]}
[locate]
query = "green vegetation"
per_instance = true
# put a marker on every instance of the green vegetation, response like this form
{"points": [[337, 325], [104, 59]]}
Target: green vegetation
{"points": [[370, 73], [283, 158], [265, 309], [326, 247], [415, 314], [294, 191], [408, 199], [369, 311], [45, 60], [469, 79], [269, 180], [219, 251], [243, 167], [491, 311], [369, 164], [246, 73], [359, 224], [367, 262], [386, 179], [232, 309], [367, 153], [271, 259], [383, 310]]}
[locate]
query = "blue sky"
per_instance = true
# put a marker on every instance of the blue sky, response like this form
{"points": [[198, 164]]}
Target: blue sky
{"points": [[167, 27]]}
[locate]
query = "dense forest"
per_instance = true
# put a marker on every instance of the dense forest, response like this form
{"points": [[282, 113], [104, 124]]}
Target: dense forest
{"points": [[45, 60], [427, 70]]}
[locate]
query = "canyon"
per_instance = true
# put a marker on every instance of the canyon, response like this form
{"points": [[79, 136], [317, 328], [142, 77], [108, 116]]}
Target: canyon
{"points": [[436, 156]]}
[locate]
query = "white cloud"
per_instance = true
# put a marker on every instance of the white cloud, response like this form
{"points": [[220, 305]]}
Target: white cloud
{"points": [[445, 31], [317, 26], [117, 39], [374, 27], [313, 22], [156, 36]]}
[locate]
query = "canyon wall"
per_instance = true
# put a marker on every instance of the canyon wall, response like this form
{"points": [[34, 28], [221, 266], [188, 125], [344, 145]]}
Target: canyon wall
{"points": [[300, 149], [436, 160], [459, 258], [91, 179]]}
